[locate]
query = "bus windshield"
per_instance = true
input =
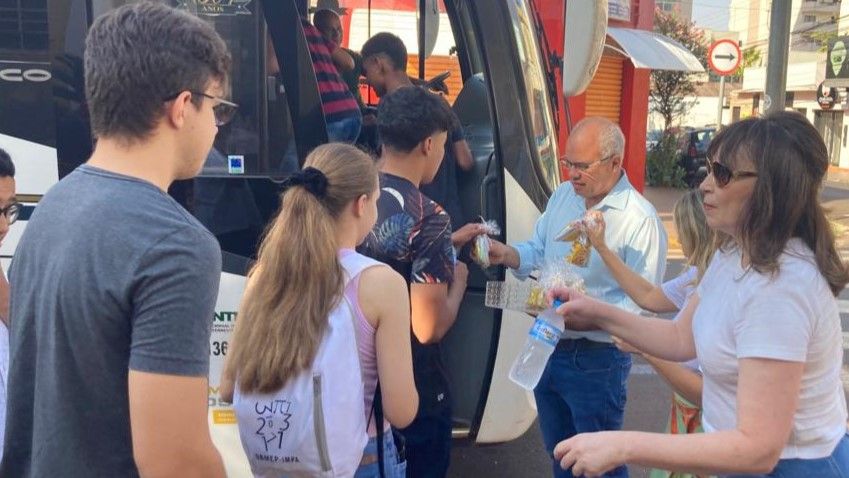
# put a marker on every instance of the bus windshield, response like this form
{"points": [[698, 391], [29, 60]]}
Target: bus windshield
{"points": [[542, 122]]}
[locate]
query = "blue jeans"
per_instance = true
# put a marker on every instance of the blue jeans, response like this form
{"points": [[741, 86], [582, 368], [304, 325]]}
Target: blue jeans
{"points": [[834, 466], [346, 130], [582, 389], [391, 467]]}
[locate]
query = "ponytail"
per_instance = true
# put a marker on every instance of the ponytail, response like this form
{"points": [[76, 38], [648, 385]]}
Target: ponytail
{"points": [[297, 279]]}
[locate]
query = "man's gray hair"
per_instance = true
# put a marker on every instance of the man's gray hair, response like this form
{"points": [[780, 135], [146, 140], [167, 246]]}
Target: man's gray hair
{"points": [[611, 141]]}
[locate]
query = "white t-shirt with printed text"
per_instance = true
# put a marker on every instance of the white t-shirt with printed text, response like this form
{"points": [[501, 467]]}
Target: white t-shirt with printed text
{"points": [[790, 316]]}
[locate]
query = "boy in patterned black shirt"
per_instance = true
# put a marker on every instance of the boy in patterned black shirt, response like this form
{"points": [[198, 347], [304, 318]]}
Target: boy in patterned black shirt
{"points": [[413, 235]]}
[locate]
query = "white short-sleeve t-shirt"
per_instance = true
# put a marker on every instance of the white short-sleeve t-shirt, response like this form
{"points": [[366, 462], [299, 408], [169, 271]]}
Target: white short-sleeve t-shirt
{"points": [[790, 316], [678, 290]]}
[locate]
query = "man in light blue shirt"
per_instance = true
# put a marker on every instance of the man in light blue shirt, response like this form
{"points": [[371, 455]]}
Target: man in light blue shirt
{"points": [[583, 388]]}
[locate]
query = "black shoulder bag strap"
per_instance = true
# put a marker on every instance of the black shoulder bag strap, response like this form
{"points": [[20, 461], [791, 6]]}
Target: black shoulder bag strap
{"points": [[377, 412]]}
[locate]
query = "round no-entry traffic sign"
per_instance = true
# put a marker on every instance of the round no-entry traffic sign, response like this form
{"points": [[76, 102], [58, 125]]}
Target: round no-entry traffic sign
{"points": [[724, 57]]}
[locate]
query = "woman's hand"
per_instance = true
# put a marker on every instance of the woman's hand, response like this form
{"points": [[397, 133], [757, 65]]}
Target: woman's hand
{"points": [[592, 454], [594, 226], [579, 311]]}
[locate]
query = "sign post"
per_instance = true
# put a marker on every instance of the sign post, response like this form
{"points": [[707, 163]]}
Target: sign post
{"points": [[724, 58]]}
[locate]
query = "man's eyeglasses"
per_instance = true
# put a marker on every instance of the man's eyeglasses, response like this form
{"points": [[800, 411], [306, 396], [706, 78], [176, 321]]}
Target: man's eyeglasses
{"points": [[723, 175], [11, 212], [583, 166], [222, 109]]}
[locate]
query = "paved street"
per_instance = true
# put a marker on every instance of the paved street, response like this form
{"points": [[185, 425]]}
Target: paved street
{"points": [[648, 396]]}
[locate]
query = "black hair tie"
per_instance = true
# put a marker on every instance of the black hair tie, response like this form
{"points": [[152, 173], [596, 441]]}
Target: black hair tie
{"points": [[310, 179]]}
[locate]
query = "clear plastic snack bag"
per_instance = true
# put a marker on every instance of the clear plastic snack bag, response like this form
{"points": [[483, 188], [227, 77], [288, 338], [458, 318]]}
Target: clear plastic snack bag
{"points": [[481, 244], [530, 296], [576, 233]]}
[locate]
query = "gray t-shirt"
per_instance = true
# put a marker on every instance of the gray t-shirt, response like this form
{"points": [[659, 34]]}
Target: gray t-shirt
{"points": [[111, 274]]}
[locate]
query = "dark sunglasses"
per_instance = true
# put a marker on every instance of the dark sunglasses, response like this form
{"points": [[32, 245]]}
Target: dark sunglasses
{"points": [[723, 175], [222, 109], [11, 212]]}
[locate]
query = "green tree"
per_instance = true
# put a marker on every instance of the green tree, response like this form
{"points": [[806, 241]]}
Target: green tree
{"points": [[751, 57], [821, 38], [670, 89]]}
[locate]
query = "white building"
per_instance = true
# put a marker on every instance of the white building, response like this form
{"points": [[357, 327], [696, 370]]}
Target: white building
{"points": [[811, 21], [704, 110], [682, 8]]}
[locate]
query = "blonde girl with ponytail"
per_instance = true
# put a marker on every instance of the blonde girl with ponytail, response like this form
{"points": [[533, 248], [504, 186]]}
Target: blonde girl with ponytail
{"points": [[299, 279]]}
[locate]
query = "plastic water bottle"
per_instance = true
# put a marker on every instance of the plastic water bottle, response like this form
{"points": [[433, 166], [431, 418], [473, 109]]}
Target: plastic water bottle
{"points": [[542, 339]]}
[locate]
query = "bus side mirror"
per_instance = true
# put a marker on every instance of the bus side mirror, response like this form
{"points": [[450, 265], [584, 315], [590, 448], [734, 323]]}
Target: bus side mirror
{"points": [[583, 42], [427, 15]]}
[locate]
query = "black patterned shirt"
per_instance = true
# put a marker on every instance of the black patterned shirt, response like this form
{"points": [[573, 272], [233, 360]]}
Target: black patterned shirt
{"points": [[412, 233]]}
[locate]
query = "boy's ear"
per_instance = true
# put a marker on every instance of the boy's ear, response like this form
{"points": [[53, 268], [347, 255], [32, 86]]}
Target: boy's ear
{"points": [[175, 109], [426, 145]]}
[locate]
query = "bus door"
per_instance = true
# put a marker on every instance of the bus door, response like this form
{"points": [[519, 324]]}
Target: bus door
{"points": [[513, 143], [452, 53], [519, 179]]}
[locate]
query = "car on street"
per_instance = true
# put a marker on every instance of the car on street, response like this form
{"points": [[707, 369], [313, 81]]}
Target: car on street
{"points": [[652, 138], [692, 149]]}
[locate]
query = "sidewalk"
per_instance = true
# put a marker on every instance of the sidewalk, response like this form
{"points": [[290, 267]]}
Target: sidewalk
{"points": [[838, 175]]}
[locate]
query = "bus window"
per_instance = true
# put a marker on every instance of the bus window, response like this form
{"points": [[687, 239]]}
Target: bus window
{"points": [[239, 148], [542, 122]]}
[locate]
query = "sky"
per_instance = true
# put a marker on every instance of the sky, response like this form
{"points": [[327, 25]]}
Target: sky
{"points": [[711, 14]]}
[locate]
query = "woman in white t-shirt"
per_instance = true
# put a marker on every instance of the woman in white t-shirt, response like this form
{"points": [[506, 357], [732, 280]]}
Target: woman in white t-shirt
{"points": [[698, 243], [763, 321]]}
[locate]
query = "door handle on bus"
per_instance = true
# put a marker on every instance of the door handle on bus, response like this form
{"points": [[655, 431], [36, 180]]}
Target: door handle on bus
{"points": [[489, 179]]}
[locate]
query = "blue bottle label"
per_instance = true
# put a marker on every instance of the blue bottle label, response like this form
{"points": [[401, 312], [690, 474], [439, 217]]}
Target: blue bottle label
{"points": [[545, 332]]}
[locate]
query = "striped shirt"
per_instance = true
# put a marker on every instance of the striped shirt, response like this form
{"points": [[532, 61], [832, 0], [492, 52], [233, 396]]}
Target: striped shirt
{"points": [[337, 102]]}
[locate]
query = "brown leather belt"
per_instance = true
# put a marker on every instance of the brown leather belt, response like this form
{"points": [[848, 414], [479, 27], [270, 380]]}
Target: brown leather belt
{"points": [[368, 460]]}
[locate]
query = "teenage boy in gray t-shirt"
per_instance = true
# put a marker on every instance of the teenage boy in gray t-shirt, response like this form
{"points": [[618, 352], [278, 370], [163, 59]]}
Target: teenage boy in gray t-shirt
{"points": [[115, 283]]}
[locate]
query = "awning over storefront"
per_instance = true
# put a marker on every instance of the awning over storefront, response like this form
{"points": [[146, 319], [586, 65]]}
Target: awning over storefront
{"points": [[651, 50]]}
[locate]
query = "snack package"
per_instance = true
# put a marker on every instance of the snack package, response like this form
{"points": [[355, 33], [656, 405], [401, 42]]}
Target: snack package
{"points": [[560, 274], [480, 247], [576, 233], [572, 231], [580, 255], [553, 274]]}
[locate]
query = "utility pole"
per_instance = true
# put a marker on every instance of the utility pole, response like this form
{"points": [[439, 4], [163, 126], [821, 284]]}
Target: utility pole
{"points": [[721, 101], [779, 49]]}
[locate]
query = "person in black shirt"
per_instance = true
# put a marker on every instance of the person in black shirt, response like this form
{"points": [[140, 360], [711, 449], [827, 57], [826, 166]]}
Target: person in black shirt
{"points": [[384, 63], [413, 235]]}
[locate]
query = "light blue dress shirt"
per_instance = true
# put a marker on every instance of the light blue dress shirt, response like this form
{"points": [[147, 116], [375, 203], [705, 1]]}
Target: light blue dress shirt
{"points": [[633, 231]]}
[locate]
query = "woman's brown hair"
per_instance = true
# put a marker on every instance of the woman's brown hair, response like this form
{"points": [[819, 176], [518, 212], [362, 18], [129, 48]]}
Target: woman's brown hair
{"points": [[791, 161], [297, 279]]}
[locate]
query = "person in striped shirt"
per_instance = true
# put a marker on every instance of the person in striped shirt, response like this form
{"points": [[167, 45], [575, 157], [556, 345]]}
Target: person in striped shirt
{"points": [[341, 111]]}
